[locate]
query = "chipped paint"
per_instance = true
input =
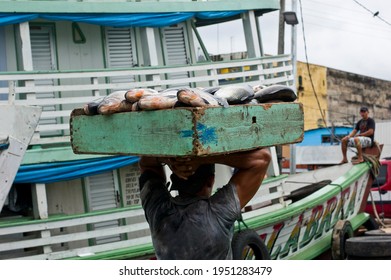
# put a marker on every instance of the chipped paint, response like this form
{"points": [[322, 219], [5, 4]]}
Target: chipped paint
{"points": [[189, 132], [267, 106]]}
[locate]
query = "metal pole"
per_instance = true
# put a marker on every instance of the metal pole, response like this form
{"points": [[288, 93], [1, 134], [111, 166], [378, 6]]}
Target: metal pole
{"points": [[281, 29], [294, 73], [281, 50]]}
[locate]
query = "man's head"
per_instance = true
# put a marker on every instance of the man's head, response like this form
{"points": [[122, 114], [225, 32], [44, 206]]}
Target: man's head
{"points": [[364, 112], [196, 183]]}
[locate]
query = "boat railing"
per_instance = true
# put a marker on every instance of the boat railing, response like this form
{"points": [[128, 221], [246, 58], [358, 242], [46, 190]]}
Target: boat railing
{"points": [[270, 196], [77, 236], [59, 92], [115, 233]]}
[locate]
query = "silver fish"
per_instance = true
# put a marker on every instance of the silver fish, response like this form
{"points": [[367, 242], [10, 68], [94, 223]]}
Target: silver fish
{"points": [[172, 89], [276, 92], [169, 93], [91, 108], [111, 103], [257, 88], [211, 90], [253, 102], [190, 97], [199, 98], [210, 98], [235, 94], [120, 94]]}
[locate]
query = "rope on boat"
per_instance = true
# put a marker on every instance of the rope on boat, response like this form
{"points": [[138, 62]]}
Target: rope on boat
{"points": [[375, 168], [374, 162], [369, 158], [378, 219]]}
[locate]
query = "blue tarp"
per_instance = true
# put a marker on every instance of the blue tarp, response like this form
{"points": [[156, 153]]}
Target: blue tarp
{"points": [[118, 20], [69, 170]]}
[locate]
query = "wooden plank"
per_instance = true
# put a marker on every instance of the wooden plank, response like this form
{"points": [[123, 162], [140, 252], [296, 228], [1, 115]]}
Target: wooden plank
{"points": [[42, 75], [140, 241], [153, 132], [88, 87], [188, 131], [17, 125], [71, 237], [50, 140], [249, 126], [69, 221], [198, 78]]}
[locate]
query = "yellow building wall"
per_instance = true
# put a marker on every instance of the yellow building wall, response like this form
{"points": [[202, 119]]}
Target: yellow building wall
{"points": [[306, 96]]}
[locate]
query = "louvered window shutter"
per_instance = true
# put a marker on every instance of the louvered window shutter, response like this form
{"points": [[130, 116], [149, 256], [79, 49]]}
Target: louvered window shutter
{"points": [[175, 50], [44, 58], [102, 193], [120, 51]]}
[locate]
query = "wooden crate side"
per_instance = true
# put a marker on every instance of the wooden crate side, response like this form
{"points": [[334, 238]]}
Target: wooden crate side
{"points": [[133, 133], [188, 131], [249, 126]]}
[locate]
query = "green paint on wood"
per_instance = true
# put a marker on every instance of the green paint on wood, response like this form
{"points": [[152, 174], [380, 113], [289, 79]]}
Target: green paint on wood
{"points": [[320, 197], [188, 131]]}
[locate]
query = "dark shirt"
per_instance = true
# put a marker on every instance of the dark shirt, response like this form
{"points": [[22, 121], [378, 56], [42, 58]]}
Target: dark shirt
{"points": [[189, 227], [364, 125]]}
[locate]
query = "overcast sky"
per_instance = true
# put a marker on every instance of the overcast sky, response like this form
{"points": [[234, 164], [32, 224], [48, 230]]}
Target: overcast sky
{"points": [[339, 34]]}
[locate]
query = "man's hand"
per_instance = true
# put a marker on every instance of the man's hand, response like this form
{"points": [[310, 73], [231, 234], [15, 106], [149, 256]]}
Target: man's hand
{"points": [[183, 167], [367, 133], [251, 169], [153, 164]]}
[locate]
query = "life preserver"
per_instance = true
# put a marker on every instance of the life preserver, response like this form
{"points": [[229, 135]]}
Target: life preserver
{"points": [[342, 231], [247, 244]]}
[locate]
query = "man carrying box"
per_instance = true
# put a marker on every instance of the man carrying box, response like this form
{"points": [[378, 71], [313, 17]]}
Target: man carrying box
{"points": [[196, 224]]}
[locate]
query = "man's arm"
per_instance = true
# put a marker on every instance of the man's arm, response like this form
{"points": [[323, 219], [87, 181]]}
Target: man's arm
{"points": [[367, 133], [153, 191], [353, 133], [350, 135], [251, 169], [153, 164]]}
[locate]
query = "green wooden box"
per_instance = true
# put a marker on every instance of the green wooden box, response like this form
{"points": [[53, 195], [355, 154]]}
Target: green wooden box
{"points": [[188, 131]]}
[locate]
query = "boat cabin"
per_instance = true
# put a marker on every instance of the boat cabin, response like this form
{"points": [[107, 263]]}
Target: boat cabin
{"points": [[60, 55]]}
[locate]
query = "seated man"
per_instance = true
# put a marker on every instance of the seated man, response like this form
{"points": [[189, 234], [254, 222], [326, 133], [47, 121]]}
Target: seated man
{"points": [[194, 224], [364, 139]]}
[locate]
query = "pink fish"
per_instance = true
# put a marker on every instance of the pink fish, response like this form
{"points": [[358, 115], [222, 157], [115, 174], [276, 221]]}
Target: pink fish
{"points": [[190, 97], [135, 95], [156, 102]]}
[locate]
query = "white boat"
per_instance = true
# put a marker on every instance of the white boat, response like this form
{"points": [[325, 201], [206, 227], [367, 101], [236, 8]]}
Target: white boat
{"points": [[87, 206]]}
